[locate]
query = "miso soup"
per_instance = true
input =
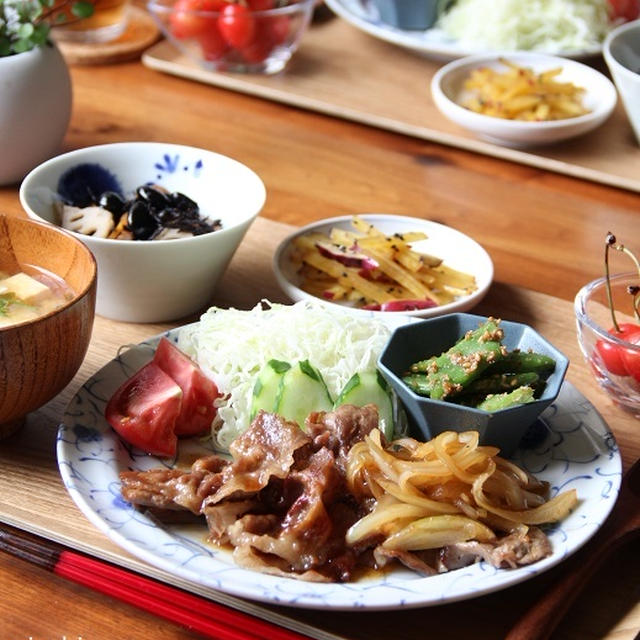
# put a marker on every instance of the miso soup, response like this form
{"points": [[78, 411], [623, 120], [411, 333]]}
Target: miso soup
{"points": [[30, 293]]}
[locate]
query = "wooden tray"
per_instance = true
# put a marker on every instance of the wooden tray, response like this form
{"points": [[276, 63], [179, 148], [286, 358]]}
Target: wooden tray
{"points": [[343, 72], [33, 497]]}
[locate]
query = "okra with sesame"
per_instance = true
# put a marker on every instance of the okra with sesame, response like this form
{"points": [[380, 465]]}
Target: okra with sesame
{"points": [[500, 401], [453, 370], [417, 382], [502, 383], [517, 361], [422, 366]]}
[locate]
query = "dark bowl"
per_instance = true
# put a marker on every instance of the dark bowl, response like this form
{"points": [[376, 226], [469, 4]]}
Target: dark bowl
{"points": [[505, 428]]}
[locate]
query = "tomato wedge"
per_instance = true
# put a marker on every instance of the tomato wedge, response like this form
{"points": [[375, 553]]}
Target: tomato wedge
{"points": [[625, 9], [198, 391], [143, 411], [167, 398]]}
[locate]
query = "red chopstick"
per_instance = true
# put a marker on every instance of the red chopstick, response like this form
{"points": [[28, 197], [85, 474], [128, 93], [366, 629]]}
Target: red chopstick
{"points": [[208, 618]]}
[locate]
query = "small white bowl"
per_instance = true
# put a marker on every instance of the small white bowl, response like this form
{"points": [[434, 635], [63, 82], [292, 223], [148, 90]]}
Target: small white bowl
{"points": [[455, 248], [158, 280], [447, 90], [621, 51]]}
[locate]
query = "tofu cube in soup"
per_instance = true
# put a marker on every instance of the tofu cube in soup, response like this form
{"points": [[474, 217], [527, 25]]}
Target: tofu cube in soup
{"points": [[25, 288]]}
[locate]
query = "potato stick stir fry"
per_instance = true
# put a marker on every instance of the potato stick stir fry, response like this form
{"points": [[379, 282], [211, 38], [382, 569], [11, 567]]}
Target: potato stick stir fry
{"points": [[372, 270], [431, 494], [519, 93]]}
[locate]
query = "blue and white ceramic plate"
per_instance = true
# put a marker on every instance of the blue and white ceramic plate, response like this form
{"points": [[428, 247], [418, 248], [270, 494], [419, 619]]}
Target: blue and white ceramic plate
{"points": [[579, 452], [434, 42]]}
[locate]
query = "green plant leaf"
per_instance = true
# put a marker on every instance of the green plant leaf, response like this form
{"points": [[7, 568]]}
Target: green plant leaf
{"points": [[25, 24], [20, 46], [40, 33], [25, 31], [82, 9]]}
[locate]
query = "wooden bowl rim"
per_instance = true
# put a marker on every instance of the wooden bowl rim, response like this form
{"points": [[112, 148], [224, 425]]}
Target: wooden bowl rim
{"points": [[78, 296]]}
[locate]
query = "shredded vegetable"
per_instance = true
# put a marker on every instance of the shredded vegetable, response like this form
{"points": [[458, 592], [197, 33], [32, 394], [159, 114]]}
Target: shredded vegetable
{"points": [[232, 346], [538, 25]]}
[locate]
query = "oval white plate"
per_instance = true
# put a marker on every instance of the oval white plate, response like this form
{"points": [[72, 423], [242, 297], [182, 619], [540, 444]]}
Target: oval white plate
{"points": [[432, 42], [580, 452], [600, 97], [456, 249]]}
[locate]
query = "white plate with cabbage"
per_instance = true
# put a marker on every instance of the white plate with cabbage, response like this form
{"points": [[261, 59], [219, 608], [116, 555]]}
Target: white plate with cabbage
{"points": [[571, 28], [579, 452]]}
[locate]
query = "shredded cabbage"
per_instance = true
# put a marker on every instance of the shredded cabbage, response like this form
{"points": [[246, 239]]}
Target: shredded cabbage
{"points": [[538, 25], [231, 346]]}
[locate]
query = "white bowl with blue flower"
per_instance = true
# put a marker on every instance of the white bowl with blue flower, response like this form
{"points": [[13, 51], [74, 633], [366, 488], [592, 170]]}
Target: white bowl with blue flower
{"points": [[162, 279]]}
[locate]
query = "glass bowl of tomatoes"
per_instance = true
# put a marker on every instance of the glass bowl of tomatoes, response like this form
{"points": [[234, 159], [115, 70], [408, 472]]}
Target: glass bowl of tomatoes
{"points": [[611, 346], [246, 36]]}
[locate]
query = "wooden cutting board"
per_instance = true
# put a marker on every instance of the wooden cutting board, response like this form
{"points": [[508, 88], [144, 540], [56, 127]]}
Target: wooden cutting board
{"points": [[33, 497], [343, 72]]}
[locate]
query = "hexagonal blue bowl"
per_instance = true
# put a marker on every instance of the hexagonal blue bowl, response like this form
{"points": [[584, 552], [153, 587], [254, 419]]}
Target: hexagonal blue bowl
{"points": [[505, 428]]}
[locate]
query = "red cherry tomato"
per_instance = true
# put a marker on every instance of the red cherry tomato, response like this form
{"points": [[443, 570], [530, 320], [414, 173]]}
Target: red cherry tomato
{"points": [[625, 9], [277, 28], [237, 25], [143, 411], [270, 31], [631, 357], [611, 354], [198, 391], [257, 50], [212, 44], [260, 5], [185, 22]]}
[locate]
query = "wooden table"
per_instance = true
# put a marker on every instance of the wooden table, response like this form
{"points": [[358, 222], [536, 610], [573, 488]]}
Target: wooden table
{"points": [[545, 233]]}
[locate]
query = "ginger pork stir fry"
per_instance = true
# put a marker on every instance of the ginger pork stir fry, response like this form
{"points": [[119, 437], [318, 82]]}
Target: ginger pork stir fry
{"points": [[299, 504]]}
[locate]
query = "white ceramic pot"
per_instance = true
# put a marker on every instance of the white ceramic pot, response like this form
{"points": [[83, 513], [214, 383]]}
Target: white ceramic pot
{"points": [[621, 51], [35, 108]]}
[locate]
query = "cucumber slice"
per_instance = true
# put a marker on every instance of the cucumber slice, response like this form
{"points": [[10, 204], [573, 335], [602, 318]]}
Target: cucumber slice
{"points": [[369, 387], [267, 386], [302, 390]]}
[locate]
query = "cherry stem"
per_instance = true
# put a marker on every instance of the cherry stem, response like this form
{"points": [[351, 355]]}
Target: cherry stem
{"points": [[611, 239], [635, 298], [634, 291]]}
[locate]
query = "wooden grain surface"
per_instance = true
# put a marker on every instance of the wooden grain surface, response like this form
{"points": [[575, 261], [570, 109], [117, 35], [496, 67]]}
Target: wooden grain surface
{"points": [[34, 498], [343, 72], [544, 231]]}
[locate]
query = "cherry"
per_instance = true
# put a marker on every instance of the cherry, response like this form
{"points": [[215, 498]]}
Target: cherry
{"points": [[619, 360]]}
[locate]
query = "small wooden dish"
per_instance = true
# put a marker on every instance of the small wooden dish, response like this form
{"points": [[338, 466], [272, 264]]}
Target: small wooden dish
{"points": [[140, 34], [39, 358]]}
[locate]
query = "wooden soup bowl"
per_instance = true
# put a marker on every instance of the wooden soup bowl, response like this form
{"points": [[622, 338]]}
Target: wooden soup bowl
{"points": [[38, 358]]}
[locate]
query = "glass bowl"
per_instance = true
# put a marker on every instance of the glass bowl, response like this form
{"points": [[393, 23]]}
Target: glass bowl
{"points": [[615, 363], [226, 36]]}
